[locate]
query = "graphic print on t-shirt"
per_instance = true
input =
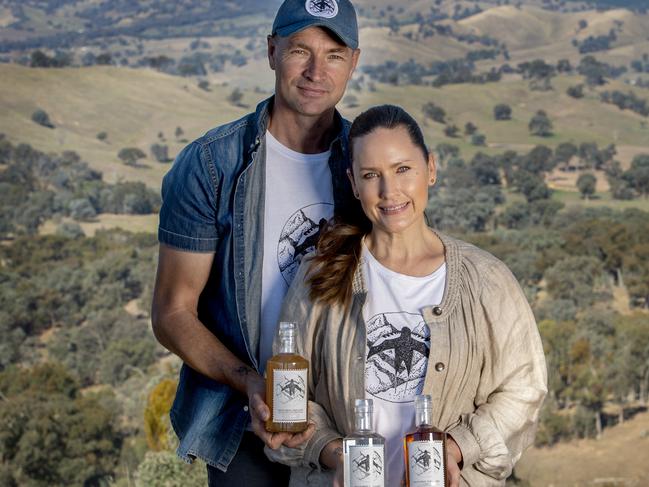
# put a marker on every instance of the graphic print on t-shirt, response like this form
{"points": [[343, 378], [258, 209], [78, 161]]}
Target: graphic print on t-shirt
{"points": [[397, 350], [299, 237]]}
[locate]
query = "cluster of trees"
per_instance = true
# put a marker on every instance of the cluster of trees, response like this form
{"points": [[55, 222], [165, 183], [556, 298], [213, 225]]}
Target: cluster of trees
{"points": [[641, 65], [453, 71], [78, 287], [595, 43], [596, 357], [597, 72], [35, 186], [626, 101], [105, 19], [52, 434]]}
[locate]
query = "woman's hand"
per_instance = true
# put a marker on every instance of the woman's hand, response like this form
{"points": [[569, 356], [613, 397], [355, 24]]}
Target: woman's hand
{"points": [[453, 462]]}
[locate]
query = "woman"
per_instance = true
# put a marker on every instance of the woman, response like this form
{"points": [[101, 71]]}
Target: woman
{"points": [[388, 308]]}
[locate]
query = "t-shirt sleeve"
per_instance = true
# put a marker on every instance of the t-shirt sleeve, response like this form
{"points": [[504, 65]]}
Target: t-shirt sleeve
{"points": [[188, 212]]}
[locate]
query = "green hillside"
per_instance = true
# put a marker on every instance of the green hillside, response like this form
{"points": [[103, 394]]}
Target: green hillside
{"points": [[131, 106], [134, 105]]}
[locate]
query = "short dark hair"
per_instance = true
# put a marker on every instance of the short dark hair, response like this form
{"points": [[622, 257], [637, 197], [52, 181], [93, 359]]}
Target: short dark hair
{"points": [[387, 117]]}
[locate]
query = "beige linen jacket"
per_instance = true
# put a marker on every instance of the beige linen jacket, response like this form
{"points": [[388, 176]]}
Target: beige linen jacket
{"points": [[486, 369]]}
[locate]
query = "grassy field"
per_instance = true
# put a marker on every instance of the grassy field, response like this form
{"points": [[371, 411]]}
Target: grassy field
{"points": [[134, 105], [131, 105], [107, 221], [585, 120]]}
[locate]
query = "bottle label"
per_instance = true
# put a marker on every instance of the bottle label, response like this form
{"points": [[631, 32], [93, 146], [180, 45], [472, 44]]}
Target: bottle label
{"points": [[289, 396], [426, 463], [366, 466]]}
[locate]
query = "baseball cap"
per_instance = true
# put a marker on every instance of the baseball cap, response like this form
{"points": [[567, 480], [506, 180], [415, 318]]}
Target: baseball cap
{"points": [[338, 16]]}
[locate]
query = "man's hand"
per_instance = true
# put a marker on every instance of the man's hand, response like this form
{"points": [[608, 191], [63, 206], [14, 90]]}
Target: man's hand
{"points": [[453, 462], [260, 413]]}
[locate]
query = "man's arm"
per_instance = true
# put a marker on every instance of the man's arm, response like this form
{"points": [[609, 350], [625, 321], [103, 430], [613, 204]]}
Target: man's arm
{"points": [[180, 280]]}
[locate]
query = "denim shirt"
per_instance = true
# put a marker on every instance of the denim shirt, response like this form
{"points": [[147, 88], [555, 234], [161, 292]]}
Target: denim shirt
{"points": [[213, 201]]}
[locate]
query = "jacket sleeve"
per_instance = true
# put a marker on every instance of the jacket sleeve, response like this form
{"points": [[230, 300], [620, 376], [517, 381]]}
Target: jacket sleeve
{"points": [[513, 383], [299, 308]]}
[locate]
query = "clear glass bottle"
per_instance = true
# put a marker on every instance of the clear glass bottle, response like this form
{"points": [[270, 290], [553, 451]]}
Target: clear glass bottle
{"points": [[425, 449], [286, 385], [364, 450]]}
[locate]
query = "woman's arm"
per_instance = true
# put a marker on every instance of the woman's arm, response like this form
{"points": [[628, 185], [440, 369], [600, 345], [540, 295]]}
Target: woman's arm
{"points": [[513, 380]]}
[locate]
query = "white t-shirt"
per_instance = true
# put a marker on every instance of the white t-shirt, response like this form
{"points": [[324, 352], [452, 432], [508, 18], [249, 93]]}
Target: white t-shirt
{"points": [[398, 345], [298, 202]]}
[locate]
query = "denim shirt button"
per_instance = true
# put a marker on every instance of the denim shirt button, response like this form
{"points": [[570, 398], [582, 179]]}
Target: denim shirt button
{"points": [[245, 408], [437, 311]]}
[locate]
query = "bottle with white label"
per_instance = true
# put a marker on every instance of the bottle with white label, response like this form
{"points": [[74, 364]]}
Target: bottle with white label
{"points": [[364, 450], [425, 449], [286, 385]]}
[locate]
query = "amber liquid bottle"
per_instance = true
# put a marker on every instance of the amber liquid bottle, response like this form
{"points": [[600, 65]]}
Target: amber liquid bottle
{"points": [[286, 385], [425, 449]]}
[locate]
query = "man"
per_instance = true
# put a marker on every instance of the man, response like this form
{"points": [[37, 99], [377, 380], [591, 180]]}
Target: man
{"points": [[241, 205]]}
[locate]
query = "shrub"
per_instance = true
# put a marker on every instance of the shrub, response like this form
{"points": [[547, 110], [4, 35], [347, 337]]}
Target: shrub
{"points": [[540, 124], [502, 111], [160, 152], [42, 118], [102, 136], [130, 155], [451, 131], [478, 139]]}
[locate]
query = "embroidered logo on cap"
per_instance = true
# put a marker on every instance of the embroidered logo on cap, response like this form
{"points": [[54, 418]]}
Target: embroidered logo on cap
{"points": [[322, 8]]}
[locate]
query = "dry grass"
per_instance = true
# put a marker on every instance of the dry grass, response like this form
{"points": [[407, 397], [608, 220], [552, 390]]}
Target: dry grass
{"points": [[620, 454], [106, 221]]}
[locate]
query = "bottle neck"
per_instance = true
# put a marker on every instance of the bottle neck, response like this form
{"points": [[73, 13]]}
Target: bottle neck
{"points": [[423, 417], [287, 344], [363, 421]]}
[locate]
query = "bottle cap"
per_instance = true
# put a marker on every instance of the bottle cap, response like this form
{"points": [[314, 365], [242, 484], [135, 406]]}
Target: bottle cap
{"points": [[287, 327], [423, 401], [364, 405]]}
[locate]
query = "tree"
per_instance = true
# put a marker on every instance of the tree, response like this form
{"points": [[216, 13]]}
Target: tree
{"points": [[470, 129], [42, 118], [445, 151], [479, 139], [156, 415], [586, 185], [638, 174], [160, 152], [235, 97], [434, 112], [57, 436], [540, 124], [451, 130], [565, 151], [351, 101], [166, 469], [575, 278], [576, 91], [130, 155], [502, 111]]}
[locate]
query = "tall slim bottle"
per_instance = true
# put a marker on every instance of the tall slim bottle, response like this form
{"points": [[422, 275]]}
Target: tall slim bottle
{"points": [[364, 450], [425, 449], [286, 385]]}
